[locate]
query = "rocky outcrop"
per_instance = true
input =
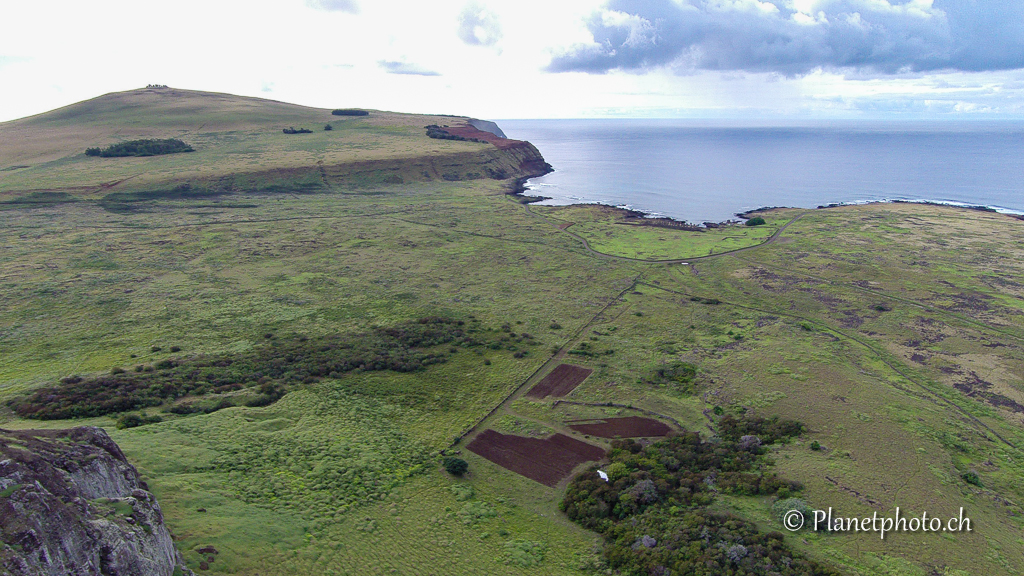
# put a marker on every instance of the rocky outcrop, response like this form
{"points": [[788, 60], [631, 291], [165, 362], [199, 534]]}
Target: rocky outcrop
{"points": [[487, 126], [70, 503]]}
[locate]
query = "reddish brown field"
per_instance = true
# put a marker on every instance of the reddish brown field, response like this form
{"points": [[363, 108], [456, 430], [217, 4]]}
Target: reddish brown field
{"points": [[627, 427], [546, 461], [562, 380]]}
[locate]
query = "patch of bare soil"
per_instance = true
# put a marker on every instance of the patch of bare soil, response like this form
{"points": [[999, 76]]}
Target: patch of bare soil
{"points": [[560, 381], [626, 427], [546, 461]]}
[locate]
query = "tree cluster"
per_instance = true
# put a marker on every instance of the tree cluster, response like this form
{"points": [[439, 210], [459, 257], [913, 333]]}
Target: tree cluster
{"points": [[294, 130], [270, 368], [653, 512], [145, 147], [350, 112]]}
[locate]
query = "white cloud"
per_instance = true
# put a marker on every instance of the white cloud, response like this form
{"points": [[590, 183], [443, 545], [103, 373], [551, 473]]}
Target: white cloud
{"points": [[478, 26], [332, 58], [334, 5]]}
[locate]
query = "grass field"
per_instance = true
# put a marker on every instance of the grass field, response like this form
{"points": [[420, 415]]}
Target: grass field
{"points": [[239, 144], [893, 331], [610, 231]]}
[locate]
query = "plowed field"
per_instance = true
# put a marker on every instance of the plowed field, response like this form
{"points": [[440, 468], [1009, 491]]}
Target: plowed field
{"points": [[545, 460], [560, 381], [626, 427]]}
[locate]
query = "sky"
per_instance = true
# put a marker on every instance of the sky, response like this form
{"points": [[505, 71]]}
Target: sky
{"points": [[766, 59]]}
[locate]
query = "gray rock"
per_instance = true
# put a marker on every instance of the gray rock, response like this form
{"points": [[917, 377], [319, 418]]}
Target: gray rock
{"points": [[62, 502]]}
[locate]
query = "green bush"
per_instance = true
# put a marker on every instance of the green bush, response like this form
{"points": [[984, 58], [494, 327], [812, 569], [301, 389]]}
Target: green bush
{"points": [[755, 221], [652, 510], [455, 466], [136, 420], [524, 553], [769, 430], [349, 112], [678, 375], [287, 362]]}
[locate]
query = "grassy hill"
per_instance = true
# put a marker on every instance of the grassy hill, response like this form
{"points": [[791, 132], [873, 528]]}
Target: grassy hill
{"points": [[239, 146], [893, 332]]}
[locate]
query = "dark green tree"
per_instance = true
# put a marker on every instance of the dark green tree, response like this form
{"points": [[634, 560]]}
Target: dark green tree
{"points": [[455, 466]]}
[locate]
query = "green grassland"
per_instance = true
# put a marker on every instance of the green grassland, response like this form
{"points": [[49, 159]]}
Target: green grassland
{"points": [[611, 231], [892, 331], [238, 144]]}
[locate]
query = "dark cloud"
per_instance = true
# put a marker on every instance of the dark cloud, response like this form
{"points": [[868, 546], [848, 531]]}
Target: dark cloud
{"points": [[349, 6], [478, 26], [395, 67], [872, 36]]}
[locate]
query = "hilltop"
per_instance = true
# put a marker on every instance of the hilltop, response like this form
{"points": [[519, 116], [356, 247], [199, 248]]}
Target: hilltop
{"points": [[240, 146]]}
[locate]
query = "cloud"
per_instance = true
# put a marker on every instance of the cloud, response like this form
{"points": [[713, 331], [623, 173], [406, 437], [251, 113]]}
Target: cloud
{"points": [[7, 60], [794, 37], [395, 67], [478, 26], [349, 6]]}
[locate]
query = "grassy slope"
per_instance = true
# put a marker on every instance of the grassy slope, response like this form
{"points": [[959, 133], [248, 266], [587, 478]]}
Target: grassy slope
{"points": [[327, 480], [231, 134]]}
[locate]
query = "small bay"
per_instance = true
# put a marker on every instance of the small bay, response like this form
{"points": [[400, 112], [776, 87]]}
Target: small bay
{"points": [[709, 170]]}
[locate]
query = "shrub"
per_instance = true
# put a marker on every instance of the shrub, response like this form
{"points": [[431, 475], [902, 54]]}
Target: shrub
{"points": [[524, 553], [768, 430], [349, 112], [455, 466], [755, 221], [678, 375], [652, 510], [294, 130], [135, 420], [784, 505], [971, 477], [284, 362], [328, 127], [145, 147], [815, 446]]}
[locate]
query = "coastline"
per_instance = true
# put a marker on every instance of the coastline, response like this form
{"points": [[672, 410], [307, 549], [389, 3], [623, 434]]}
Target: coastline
{"points": [[522, 190], [693, 171]]}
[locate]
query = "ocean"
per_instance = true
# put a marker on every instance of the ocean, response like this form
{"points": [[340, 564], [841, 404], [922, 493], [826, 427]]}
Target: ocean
{"points": [[707, 171]]}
